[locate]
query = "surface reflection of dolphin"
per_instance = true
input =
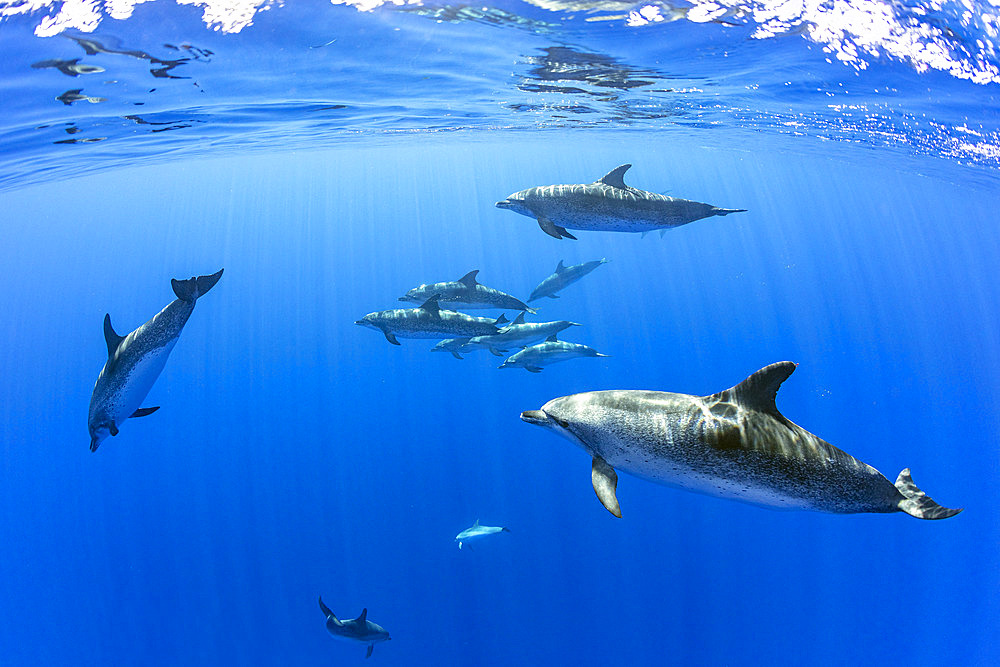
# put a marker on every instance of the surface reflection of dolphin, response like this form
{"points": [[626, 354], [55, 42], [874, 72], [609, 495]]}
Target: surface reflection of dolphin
{"points": [[76, 95], [68, 67]]}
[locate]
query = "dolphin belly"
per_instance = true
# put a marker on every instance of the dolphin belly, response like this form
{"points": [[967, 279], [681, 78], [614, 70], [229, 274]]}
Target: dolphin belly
{"points": [[121, 392]]}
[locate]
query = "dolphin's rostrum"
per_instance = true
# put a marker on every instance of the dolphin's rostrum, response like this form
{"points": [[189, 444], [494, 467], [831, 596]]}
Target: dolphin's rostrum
{"points": [[733, 444], [358, 629], [135, 361], [606, 205]]}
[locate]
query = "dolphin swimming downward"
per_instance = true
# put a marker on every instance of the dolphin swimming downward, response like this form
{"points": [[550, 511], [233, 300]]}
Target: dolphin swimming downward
{"points": [[733, 444], [136, 360], [606, 205], [358, 629]]}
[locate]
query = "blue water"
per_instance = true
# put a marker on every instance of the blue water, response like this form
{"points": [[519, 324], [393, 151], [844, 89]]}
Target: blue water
{"points": [[297, 455]]}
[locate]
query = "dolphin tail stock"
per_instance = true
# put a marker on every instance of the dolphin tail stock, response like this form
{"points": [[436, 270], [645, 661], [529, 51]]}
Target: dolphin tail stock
{"points": [[918, 504], [189, 290], [726, 211], [325, 609]]}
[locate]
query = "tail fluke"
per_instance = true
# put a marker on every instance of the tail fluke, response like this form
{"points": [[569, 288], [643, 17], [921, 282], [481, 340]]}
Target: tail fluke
{"points": [[919, 504], [326, 610], [192, 288]]}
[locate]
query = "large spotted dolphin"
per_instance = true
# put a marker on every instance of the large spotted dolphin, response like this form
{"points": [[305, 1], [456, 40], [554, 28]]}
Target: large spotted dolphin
{"points": [[733, 444], [358, 629], [606, 205], [135, 361]]}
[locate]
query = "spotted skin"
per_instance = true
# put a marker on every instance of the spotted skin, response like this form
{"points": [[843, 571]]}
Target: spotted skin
{"points": [[427, 321], [136, 362], [734, 444], [606, 205]]}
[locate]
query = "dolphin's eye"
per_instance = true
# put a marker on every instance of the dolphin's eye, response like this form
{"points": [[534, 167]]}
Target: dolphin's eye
{"points": [[563, 423]]}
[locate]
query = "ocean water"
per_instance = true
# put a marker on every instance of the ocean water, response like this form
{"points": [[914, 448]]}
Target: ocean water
{"points": [[332, 156]]}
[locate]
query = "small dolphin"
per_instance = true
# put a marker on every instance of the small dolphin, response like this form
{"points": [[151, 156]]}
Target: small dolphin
{"points": [[135, 361], [517, 334], [551, 351], [478, 531], [466, 293], [429, 321], [453, 345], [606, 205], [76, 95], [359, 629], [734, 444], [563, 278]]}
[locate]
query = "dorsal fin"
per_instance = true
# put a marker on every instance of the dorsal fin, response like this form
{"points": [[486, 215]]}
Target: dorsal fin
{"points": [[616, 177], [757, 392], [469, 279], [363, 617], [552, 339], [326, 610], [501, 320], [431, 305], [560, 267], [476, 523], [519, 319], [110, 337]]}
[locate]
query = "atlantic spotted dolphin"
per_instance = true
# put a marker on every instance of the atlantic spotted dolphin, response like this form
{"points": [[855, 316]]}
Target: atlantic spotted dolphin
{"points": [[553, 350], [135, 361], [563, 277], [476, 531], [517, 334], [606, 205], [733, 444], [358, 629], [466, 292], [428, 321]]}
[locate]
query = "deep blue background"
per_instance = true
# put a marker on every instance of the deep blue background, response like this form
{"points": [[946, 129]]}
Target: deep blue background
{"points": [[297, 454]]}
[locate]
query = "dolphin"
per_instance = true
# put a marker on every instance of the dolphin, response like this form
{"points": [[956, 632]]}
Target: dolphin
{"points": [[478, 531], [453, 345], [563, 278], [466, 293], [517, 334], [606, 205], [135, 361], [359, 629], [733, 444], [429, 321], [551, 351]]}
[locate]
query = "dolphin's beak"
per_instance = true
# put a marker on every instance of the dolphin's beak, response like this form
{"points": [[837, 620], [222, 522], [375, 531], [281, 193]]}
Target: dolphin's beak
{"points": [[361, 322], [536, 417], [503, 204], [402, 298]]}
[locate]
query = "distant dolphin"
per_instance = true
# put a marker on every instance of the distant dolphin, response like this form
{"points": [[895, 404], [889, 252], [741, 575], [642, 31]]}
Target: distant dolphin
{"points": [[428, 321], [734, 444], [517, 334], [563, 278], [466, 293], [135, 361], [606, 205], [359, 629], [551, 351], [478, 531]]}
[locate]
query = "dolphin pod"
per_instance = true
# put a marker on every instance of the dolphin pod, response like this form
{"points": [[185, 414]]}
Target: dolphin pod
{"points": [[733, 444], [136, 360]]}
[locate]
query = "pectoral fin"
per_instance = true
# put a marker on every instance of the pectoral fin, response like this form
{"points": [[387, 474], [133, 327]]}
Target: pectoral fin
{"points": [[371, 647], [554, 230], [533, 369], [112, 429], [391, 338], [455, 354], [605, 481], [142, 412]]}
